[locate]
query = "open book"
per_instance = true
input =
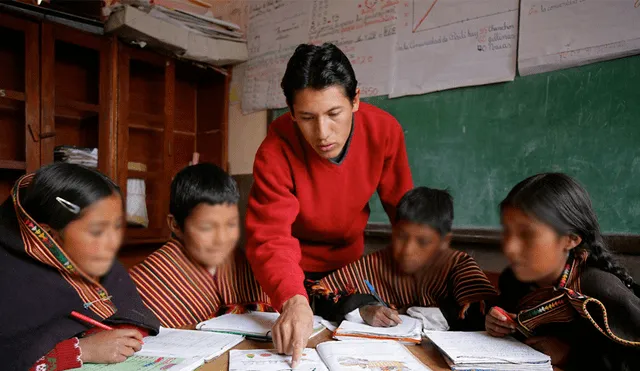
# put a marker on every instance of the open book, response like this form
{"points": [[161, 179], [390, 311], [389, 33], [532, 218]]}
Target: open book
{"points": [[481, 351], [408, 332], [174, 350], [253, 325], [332, 356]]}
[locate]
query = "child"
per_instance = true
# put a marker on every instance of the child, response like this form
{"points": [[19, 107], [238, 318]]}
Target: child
{"points": [[563, 291], [199, 274], [59, 235], [419, 269]]}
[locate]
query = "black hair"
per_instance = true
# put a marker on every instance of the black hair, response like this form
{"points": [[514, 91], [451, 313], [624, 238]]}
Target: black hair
{"points": [[201, 183], [73, 183], [562, 203], [427, 206], [318, 67]]}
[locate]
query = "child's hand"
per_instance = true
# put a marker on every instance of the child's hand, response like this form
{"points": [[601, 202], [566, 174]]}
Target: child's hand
{"points": [[379, 316], [499, 325], [555, 348], [112, 346]]}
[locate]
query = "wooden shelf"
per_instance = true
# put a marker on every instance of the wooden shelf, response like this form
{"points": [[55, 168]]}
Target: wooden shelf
{"points": [[13, 95], [184, 133], [12, 165], [11, 105], [76, 110], [134, 174], [157, 118], [144, 127]]}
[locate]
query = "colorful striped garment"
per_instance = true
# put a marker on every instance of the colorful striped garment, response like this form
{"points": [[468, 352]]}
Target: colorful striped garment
{"points": [[181, 292], [590, 309], [453, 280]]}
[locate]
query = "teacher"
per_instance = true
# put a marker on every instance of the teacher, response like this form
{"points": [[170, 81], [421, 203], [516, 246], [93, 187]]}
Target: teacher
{"points": [[314, 174]]}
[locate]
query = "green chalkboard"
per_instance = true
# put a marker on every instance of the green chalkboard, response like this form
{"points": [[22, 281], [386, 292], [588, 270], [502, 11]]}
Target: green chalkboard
{"points": [[478, 142]]}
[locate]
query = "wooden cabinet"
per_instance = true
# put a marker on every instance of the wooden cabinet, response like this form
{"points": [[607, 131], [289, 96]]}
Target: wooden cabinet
{"points": [[60, 86], [76, 93], [19, 100], [166, 111]]}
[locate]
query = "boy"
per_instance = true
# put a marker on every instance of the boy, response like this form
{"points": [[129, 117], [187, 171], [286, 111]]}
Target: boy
{"points": [[199, 274], [419, 269]]}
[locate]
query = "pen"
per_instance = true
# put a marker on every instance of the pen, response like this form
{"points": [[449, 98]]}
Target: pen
{"points": [[374, 293], [90, 321]]}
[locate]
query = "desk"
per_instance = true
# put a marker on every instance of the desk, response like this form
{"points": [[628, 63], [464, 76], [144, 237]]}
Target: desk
{"points": [[426, 353]]}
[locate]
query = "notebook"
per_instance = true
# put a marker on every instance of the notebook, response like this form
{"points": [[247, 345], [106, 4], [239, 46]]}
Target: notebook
{"points": [[253, 325], [480, 351], [174, 350], [408, 332], [332, 356]]}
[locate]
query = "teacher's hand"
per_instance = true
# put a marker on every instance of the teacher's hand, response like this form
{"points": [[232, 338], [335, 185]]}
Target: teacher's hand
{"points": [[293, 328]]}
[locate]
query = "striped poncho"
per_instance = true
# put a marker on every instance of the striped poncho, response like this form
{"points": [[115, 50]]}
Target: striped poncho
{"points": [[453, 281], [181, 292]]}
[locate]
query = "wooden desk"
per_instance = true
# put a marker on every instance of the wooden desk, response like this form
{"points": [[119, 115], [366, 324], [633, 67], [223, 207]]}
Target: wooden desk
{"points": [[426, 353]]}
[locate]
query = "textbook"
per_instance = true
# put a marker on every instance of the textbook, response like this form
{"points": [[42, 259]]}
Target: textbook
{"points": [[408, 332], [480, 351], [252, 325], [331, 356], [174, 350]]}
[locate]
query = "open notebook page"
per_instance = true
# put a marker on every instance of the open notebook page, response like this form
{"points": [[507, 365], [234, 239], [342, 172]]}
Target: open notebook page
{"points": [[251, 323], [187, 343], [368, 356], [174, 350], [409, 327], [269, 360], [480, 347]]}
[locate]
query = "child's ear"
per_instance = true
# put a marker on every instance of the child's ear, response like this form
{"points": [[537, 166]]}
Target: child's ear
{"points": [[446, 240], [173, 226], [572, 241]]}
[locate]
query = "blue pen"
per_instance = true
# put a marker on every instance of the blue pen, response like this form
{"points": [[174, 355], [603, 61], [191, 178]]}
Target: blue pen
{"points": [[374, 293]]}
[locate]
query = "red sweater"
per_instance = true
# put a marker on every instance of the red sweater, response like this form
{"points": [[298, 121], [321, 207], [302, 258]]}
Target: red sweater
{"points": [[308, 214]]}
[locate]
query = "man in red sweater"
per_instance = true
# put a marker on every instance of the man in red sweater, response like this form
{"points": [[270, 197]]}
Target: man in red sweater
{"points": [[313, 177]]}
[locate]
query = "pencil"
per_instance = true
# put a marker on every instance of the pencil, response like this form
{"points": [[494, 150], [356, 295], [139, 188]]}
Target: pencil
{"points": [[90, 321]]}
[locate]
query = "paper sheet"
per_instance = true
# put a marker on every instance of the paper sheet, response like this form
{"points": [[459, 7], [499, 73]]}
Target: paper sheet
{"points": [[269, 360], [480, 347], [368, 356], [136, 363], [410, 327], [556, 34], [174, 350], [365, 31], [453, 43], [187, 343], [276, 27], [252, 323]]}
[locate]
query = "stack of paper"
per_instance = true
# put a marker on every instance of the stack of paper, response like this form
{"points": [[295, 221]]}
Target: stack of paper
{"points": [[409, 331], [76, 155], [479, 351], [253, 325], [203, 24], [332, 356], [174, 350]]}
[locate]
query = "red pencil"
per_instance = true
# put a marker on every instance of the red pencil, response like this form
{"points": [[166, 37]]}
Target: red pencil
{"points": [[504, 313], [90, 321]]}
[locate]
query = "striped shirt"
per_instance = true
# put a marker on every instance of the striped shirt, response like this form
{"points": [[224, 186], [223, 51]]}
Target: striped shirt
{"points": [[453, 275], [181, 292]]}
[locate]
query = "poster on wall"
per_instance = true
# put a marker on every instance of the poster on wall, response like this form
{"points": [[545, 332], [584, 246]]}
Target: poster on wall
{"points": [[557, 34], [453, 43], [275, 29]]}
